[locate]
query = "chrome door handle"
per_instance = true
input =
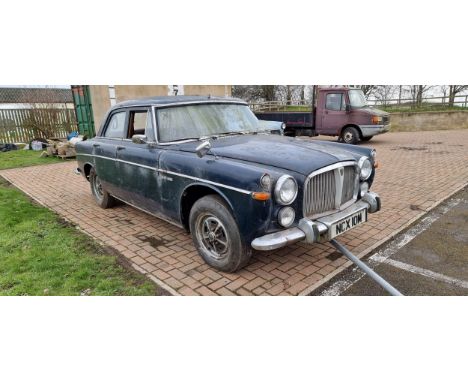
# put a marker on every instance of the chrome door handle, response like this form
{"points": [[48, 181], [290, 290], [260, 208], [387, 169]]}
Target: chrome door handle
{"points": [[96, 145], [120, 147]]}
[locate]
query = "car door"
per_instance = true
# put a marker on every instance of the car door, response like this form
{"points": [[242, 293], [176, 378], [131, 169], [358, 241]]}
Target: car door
{"points": [[105, 150], [334, 115], [138, 162]]}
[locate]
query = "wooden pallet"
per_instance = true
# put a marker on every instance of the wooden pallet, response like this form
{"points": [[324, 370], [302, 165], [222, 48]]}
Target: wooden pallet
{"points": [[66, 156]]}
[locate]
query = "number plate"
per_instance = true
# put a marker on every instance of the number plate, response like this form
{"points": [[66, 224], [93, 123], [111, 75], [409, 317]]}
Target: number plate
{"points": [[348, 223]]}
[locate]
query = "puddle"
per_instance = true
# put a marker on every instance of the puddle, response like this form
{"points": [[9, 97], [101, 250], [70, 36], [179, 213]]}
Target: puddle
{"points": [[154, 241]]}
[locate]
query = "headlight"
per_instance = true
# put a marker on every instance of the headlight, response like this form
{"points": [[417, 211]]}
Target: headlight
{"points": [[286, 216], [285, 190], [377, 120], [366, 168], [265, 181]]}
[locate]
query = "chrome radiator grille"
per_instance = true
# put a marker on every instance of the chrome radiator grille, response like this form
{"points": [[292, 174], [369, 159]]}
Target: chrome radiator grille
{"points": [[330, 188]]}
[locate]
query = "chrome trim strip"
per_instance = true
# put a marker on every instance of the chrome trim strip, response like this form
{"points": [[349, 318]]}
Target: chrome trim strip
{"points": [[171, 173]]}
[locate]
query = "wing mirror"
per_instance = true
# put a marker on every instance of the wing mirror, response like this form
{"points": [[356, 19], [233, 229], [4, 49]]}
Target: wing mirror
{"points": [[203, 148], [139, 139]]}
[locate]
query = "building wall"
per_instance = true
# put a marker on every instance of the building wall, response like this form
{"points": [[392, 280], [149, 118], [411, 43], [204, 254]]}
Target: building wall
{"points": [[101, 102]]}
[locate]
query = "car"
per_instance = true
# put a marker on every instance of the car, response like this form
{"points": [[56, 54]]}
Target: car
{"points": [[208, 165]]}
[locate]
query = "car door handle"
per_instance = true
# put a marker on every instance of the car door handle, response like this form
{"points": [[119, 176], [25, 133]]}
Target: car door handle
{"points": [[120, 147], [96, 145], [326, 112]]}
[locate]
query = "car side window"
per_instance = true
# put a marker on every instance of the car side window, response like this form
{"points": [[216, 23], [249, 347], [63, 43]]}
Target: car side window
{"points": [[116, 126], [335, 101], [140, 124]]}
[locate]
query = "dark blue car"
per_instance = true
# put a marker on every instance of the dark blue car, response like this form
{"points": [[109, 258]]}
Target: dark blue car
{"points": [[210, 166]]}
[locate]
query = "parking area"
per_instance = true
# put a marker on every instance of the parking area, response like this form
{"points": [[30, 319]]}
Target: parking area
{"points": [[417, 171], [429, 258]]}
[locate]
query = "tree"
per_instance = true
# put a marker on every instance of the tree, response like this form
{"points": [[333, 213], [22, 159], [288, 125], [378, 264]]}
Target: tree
{"points": [[383, 93], [454, 90], [366, 89]]}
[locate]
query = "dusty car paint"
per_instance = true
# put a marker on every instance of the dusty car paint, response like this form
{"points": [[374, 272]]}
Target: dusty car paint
{"points": [[157, 177]]}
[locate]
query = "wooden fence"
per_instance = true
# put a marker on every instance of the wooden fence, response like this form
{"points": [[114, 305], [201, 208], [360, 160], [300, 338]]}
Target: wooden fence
{"points": [[23, 125]]}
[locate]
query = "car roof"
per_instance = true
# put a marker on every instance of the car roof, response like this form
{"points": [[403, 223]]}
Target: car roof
{"points": [[175, 100]]}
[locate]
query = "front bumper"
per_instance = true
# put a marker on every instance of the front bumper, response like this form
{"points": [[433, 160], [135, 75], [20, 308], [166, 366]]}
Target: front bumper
{"points": [[371, 130], [314, 231]]}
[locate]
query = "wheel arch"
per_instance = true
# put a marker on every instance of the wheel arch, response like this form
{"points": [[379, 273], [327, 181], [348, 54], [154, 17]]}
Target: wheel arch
{"points": [[194, 192], [87, 169], [351, 125]]}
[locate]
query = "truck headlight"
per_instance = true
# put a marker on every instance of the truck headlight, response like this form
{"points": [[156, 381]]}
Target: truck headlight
{"points": [[366, 168], [285, 190], [377, 120], [286, 216]]}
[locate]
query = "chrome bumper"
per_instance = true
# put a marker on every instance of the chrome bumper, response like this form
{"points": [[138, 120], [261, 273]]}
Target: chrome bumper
{"points": [[314, 231], [371, 130]]}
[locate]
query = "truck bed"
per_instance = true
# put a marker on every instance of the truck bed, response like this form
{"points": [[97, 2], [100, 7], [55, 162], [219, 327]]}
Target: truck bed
{"points": [[292, 119]]}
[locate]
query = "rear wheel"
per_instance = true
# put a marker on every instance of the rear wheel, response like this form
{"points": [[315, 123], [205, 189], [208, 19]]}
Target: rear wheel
{"points": [[101, 196], [350, 135], [216, 235]]}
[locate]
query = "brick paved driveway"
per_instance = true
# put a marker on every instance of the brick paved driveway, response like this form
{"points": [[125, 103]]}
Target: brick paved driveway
{"points": [[418, 170]]}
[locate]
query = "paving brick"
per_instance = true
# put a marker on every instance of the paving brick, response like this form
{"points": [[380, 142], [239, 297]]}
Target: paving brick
{"points": [[405, 194]]}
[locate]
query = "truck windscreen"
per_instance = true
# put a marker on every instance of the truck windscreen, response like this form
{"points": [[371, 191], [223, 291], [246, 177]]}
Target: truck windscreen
{"points": [[357, 98]]}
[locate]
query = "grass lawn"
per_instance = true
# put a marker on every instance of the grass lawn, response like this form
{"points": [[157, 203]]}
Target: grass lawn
{"points": [[41, 255], [24, 158]]}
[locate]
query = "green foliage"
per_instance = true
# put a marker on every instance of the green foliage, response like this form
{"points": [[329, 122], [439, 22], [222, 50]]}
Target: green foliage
{"points": [[39, 255], [24, 158]]}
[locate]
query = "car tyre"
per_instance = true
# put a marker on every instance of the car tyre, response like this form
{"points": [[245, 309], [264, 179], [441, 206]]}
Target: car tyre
{"points": [[216, 235], [350, 135], [101, 196]]}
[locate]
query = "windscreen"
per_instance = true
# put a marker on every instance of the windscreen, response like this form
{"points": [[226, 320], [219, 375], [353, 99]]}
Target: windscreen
{"points": [[203, 120], [357, 98]]}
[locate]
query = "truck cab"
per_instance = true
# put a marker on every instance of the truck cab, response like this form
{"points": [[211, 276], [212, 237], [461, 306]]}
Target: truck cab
{"points": [[337, 111]]}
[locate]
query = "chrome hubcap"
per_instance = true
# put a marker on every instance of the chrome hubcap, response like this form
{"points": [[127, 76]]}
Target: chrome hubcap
{"points": [[348, 137], [98, 188], [212, 235]]}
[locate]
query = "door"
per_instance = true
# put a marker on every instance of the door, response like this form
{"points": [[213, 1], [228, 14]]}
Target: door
{"points": [[138, 163], [334, 115], [105, 150]]}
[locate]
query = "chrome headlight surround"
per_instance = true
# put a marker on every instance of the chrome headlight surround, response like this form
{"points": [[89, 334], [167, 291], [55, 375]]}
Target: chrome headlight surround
{"points": [[365, 167], [283, 182]]}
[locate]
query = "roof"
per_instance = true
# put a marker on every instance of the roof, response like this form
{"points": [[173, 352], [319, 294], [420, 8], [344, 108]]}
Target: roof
{"points": [[175, 100], [35, 95]]}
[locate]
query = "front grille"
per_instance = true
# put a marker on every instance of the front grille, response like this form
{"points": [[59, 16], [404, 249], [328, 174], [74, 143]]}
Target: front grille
{"points": [[330, 188]]}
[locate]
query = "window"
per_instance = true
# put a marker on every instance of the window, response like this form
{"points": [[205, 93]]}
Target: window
{"points": [[335, 101], [116, 126], [140, 124], [196, 121]]}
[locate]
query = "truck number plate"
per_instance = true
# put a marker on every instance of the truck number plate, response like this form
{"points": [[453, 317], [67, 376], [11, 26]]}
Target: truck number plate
{"points": [[348, 223]]}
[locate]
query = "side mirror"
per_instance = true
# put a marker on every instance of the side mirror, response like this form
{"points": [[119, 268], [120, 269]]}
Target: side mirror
{"points": [[203, 148], [348, 107], [139, 139]]}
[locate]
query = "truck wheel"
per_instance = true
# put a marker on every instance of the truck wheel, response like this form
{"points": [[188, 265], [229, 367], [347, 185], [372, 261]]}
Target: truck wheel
{"points": [[216, 235], [350, 135], [366, 139], [102, 197]]}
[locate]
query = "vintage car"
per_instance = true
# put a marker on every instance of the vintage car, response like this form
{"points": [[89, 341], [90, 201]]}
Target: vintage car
{"points": [[208, 165]]}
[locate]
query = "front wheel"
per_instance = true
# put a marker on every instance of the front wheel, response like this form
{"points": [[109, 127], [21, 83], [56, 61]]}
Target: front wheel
{"points": [[216, 235], [350, 135]]}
